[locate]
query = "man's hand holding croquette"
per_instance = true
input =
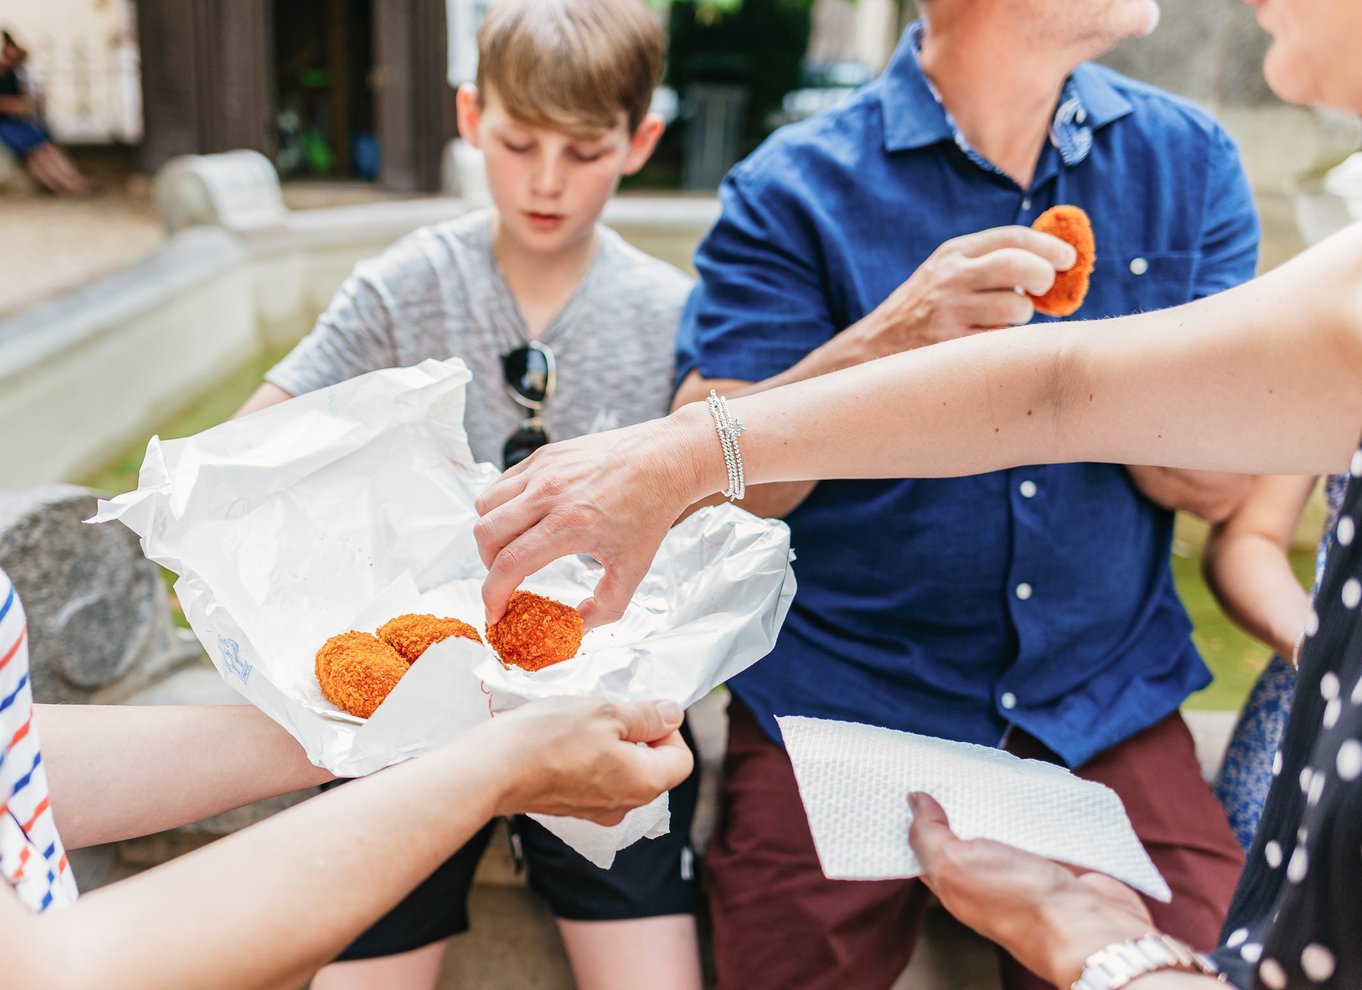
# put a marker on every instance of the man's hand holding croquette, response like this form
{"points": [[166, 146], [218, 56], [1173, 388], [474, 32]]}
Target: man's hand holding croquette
{"points": [[967, 285]]}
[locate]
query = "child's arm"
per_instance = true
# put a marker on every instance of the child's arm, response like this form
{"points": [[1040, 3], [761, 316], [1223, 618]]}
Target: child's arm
{"points": [[268, 394], [1247, 567], [266, 907]]}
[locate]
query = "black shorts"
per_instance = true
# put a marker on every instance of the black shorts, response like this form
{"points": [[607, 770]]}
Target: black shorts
{"points": [[652, 878]]}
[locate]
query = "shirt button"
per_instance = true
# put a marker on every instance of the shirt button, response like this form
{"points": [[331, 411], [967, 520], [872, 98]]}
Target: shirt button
{"points": [[1023, 591], [1026, 203], [1138, 266], [1008, 700], [1027, 488]]}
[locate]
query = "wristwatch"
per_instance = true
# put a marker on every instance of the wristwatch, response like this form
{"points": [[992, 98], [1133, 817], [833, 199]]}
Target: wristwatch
{"points": [[1121, 962]]}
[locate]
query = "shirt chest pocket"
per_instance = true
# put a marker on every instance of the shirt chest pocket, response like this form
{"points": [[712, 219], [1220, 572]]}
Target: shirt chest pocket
{"points": [[1134, 281]]}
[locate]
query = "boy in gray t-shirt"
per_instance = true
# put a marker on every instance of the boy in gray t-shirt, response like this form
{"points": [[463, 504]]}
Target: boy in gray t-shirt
{"points": [[498, 289]]}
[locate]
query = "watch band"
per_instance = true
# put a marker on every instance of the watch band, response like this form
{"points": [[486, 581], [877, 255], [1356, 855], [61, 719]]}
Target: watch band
{"points": [[1121, 962]]}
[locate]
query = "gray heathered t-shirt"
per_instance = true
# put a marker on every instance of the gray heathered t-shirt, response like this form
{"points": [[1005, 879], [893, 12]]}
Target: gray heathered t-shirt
{"points": [[438, 293]]}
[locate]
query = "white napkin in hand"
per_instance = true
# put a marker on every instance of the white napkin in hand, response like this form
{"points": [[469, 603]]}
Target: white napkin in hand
{"points": [[854, 781]]}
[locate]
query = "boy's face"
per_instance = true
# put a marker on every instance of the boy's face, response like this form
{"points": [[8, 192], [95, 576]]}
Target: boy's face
{"points": [[549, 187]]}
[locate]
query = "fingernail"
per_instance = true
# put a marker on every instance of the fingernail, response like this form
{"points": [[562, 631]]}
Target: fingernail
{"points": [[913, 797], [670, 712]]}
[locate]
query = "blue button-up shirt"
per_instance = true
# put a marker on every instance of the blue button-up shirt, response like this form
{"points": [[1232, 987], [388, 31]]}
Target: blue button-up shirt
{"points": [[1039, 596]]}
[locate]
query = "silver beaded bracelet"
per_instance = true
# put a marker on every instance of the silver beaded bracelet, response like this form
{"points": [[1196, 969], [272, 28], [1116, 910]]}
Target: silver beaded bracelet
{"points": [[729, 429]]}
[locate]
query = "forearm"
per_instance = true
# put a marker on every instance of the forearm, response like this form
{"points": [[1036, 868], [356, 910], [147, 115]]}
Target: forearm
{"points": [[319, 874], [1075, 929], [845, 350], [262, 398], [774, 501], [1252, 580], [1077, 950], [1235, 393], [120, 771], [768, 501]]}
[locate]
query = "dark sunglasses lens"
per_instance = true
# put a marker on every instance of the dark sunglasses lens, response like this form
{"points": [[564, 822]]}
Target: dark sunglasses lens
{"points": [[524, 442], [527, 371]]}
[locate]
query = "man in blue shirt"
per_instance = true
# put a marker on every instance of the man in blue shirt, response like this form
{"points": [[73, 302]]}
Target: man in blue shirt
{"points": [[1030, 608]]}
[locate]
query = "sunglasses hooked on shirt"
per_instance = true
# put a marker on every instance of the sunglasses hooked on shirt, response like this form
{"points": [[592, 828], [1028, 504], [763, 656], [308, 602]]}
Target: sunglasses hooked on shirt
{"points": [[529, 373]]}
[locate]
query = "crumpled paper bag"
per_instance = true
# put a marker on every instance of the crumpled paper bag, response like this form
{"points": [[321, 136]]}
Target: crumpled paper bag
{"points": [[344, 507], [854, 781]]}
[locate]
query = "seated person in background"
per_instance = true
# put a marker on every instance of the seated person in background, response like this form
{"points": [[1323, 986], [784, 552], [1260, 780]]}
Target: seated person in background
{"points": [[567, 330], [24, 134], [265, 907], [1249, 572]]}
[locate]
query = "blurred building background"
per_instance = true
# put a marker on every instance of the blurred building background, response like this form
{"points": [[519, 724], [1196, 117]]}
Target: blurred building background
{"points": [[355, 89]]}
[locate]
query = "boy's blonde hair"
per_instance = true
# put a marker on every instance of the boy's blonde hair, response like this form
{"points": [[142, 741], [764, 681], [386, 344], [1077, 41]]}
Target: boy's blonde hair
{"points": [[571, 65]]}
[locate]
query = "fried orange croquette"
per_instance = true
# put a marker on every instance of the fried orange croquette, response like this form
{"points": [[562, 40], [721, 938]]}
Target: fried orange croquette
{"points": [[411, 634], [536, 632], [356, 670], [1068, 223]]}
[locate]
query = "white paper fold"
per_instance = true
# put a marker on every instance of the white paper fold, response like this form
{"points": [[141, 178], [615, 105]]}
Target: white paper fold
{"points": [[342, 508], [854, 781]]}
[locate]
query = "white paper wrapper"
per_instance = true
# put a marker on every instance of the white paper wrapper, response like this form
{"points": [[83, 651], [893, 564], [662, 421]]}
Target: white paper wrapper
{"points": [[345, 507], [854, 781]]}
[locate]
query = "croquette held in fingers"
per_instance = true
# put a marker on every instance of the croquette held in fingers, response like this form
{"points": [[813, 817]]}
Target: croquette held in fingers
{"points": [[357, 670], [1071, 224], [411, 634], [535, 632]]}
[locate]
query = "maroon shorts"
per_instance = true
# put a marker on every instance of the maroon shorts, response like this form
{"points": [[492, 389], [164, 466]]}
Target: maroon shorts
{"points": [[779, 923]]}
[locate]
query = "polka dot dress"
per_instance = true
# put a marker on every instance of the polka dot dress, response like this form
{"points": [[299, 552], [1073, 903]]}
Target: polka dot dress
{"points": [[1296, 920]]}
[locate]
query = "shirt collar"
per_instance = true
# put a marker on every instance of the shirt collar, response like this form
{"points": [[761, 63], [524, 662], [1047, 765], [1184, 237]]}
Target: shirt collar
{"points": [[915, 117]]}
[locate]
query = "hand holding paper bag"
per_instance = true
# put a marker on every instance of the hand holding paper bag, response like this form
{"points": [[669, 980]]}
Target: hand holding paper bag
{"points": [[345, 507]]}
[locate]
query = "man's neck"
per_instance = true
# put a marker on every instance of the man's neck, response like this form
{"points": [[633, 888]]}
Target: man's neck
{"points": [[541, 283], [1002, 95]]}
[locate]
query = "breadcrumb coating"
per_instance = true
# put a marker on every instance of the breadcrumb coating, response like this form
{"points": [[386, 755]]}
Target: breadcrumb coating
{"points": [[536, 632], [356, 670], [1068, 223], [411, 634]]}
